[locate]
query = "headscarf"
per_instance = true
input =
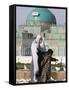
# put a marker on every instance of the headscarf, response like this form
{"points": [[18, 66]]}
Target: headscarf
{"points": [[37, 38]]}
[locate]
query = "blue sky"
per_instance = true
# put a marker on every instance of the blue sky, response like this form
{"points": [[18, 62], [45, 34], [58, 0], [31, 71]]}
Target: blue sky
{"points": [[22, 12]]}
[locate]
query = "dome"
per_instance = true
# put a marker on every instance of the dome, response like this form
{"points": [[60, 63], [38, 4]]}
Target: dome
{"points": [[41, 14]]}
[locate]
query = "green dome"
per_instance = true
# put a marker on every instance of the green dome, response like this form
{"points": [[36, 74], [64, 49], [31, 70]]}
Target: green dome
{"points": [[41, 14]]}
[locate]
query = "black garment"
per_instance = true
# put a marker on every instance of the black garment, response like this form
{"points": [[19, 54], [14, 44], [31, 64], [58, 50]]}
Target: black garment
{"points": [[44, 64], [40, 54]]}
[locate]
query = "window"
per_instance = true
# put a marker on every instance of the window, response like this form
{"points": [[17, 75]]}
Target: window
{"points": [[61, 51], [43, 34], [27, 51]]}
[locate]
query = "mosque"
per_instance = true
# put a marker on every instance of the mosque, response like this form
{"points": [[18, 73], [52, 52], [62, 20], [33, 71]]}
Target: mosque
{"points": [[40, 21]]}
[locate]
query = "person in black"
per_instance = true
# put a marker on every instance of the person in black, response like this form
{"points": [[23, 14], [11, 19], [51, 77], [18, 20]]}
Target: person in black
{"points": [[44, 63]]}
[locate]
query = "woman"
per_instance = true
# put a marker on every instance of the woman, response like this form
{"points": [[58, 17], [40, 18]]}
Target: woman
{"points": [[46, 65], [37, 43]]}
